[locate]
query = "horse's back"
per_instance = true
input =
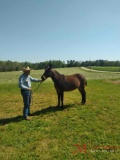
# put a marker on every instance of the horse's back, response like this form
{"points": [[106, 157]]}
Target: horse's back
{"points": [[72, 82]]}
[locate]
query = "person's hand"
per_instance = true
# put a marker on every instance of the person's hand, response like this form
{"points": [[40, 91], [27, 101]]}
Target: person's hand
{"points": [[39, 80], [29, 89]]}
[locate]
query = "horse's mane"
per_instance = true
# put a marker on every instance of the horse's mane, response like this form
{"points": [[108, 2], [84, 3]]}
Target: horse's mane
{"points": [[57, 78], [56, 72]]}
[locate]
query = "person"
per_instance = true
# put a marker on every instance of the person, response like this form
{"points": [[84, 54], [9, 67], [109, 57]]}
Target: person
{"points": [[25, 85]]}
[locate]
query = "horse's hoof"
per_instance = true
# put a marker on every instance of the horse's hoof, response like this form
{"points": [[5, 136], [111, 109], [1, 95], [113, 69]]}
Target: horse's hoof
{"points": [[82, 103], [62, 108]]}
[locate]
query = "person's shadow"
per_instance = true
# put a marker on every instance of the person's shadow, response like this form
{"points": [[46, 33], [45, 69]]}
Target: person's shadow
{"points": [[19, 118], [5, 121]]}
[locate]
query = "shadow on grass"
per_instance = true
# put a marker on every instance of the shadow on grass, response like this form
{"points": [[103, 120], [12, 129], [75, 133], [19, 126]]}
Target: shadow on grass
{"points": [[5, 121], [50, 109]]}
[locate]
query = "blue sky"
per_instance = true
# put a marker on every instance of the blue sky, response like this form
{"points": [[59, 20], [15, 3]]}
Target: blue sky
{"points": [[40, 30]]}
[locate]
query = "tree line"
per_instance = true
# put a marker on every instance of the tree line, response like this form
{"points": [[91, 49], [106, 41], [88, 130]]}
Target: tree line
{"points": [[18, 66]]}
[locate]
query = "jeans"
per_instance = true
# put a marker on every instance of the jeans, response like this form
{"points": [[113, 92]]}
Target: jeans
{"points": [[26, 100]]}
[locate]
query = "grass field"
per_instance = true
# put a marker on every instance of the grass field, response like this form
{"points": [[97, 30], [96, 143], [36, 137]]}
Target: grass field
{"points": [[79, 132], [110, 69]]}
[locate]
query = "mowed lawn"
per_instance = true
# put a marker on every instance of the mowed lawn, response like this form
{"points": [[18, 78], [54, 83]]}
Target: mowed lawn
{"points": [[79, 132], [103, 68]]}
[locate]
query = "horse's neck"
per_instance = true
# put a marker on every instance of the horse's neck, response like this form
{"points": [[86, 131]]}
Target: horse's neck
{"points": [[56, 76]]}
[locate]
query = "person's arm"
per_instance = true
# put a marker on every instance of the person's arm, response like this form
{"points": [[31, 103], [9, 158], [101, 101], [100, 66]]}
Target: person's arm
{"points": [[35, 79]]}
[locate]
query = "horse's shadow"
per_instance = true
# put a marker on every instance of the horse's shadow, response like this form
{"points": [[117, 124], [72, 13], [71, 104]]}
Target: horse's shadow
{"points": [[49, 109]]}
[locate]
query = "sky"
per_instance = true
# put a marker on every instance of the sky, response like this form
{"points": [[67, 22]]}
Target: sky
{"points": [[43, 30]]}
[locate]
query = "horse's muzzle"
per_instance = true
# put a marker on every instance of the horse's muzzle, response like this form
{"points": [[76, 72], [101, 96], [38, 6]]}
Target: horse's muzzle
{"points": [[43, 78]]}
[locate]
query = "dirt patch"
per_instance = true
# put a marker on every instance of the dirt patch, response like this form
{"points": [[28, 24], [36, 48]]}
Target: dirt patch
{"points": [[116, 82]]}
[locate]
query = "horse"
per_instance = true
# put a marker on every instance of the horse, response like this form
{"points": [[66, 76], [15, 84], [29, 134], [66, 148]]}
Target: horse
{"points": [[64, 83]]}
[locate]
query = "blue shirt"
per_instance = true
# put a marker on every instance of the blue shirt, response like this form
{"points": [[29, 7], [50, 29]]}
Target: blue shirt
{"points": [[25, 81]]}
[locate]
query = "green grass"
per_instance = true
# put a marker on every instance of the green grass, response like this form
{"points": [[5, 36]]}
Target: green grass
{"points": [[110, 69], [53, 133]]}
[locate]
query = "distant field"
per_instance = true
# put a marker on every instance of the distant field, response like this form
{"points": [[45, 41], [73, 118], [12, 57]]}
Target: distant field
{"points": [[79, 132], [111, 69], [12, 77]]}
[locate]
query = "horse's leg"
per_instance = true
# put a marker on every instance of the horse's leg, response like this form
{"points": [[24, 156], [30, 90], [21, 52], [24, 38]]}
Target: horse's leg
{"points": [[83, 96], [58, 95], [58, 99], [83, 93], [62, 98]]}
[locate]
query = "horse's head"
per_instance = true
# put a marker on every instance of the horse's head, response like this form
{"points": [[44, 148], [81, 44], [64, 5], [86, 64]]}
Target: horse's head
{"points": [[47, 73]]}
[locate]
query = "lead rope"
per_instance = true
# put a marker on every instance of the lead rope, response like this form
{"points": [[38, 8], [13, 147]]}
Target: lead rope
{"points": [[33, 91], [31, 98], [37, 87]]}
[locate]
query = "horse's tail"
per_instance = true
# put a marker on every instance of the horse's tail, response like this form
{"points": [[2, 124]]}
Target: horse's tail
{"points": [[85, 82], [82, 79]]}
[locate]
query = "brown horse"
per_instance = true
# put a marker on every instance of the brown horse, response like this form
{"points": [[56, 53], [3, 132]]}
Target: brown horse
{"points": [[66, 83]]}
